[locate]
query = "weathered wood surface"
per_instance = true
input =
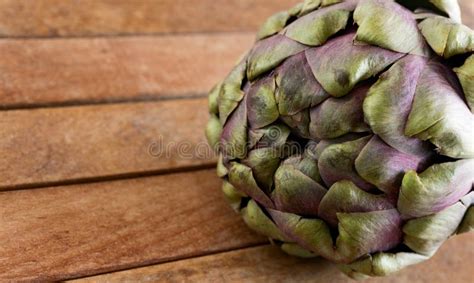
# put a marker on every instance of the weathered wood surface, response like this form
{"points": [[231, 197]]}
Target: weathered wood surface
{"points": [[118, 17], [64, 232], [269, 264], [74, 71], [52, 18], [51, 145]]}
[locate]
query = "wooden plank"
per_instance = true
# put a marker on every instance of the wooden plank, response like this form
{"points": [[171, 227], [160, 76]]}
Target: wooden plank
{"points": [[108, 17], [75, 71], [26, 18], [453, 263], [64, 232], [467, 12], [69, 144]]}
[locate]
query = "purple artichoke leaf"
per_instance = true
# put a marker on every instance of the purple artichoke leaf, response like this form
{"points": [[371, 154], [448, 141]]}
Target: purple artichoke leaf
{"points": [[440, 114], [339, 65]]}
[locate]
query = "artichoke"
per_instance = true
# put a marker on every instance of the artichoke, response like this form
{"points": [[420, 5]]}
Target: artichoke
{"points": [[347, 131]]}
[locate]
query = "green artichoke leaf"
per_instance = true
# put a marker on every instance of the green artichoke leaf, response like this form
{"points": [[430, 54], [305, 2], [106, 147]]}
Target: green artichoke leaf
{"points": [[446, 37], [381, 264], [309, 6], [346, 197], [465, 75], [264, 162], [297, 89], [297, 250], [387, 113], [336, 117], [261, 105], [295, 192], [336, 163], [439, 113], [436, 188], [256, 219], [213, 131], [361, 233], [230, 92], [232, 195], [339, 65], [241, 177], [213, 99], [316, 27], [222, 170], [384, 166], [389, 25], [273, 24], [269, 53], [311, 234], [426, 234]]}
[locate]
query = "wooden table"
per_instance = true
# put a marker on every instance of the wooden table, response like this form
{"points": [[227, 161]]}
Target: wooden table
{"points": [[89, 90]]}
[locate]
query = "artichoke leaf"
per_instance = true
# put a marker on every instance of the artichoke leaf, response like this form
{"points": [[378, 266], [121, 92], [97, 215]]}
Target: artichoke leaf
{"points": [[381, 264], [439, 113], [426, 234], [231, 93], [339, 65], [465, 75], [389, 25], [384, 166], [241, 177], [256, 219], [346, 197], [295, 192], [269, 53], [316, 27], [387, 113], [261, 105], [336, 163], [436, 188], [336, 117], [297, 89], [446, 37]]}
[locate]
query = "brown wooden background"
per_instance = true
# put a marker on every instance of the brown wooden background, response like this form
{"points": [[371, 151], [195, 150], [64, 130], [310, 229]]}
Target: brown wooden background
{"points": [[87, 89]]}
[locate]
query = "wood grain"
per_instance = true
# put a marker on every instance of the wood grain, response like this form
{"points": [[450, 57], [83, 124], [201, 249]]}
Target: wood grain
{"points": [[268, 264], [109, 17], [75, 71], [64, 232], [40, 18], [69, 144]]}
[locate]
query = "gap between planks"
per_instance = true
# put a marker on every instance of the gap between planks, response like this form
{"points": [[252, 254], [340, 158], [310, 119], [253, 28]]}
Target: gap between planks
{"points": [[53, 146], [44, 73]]}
